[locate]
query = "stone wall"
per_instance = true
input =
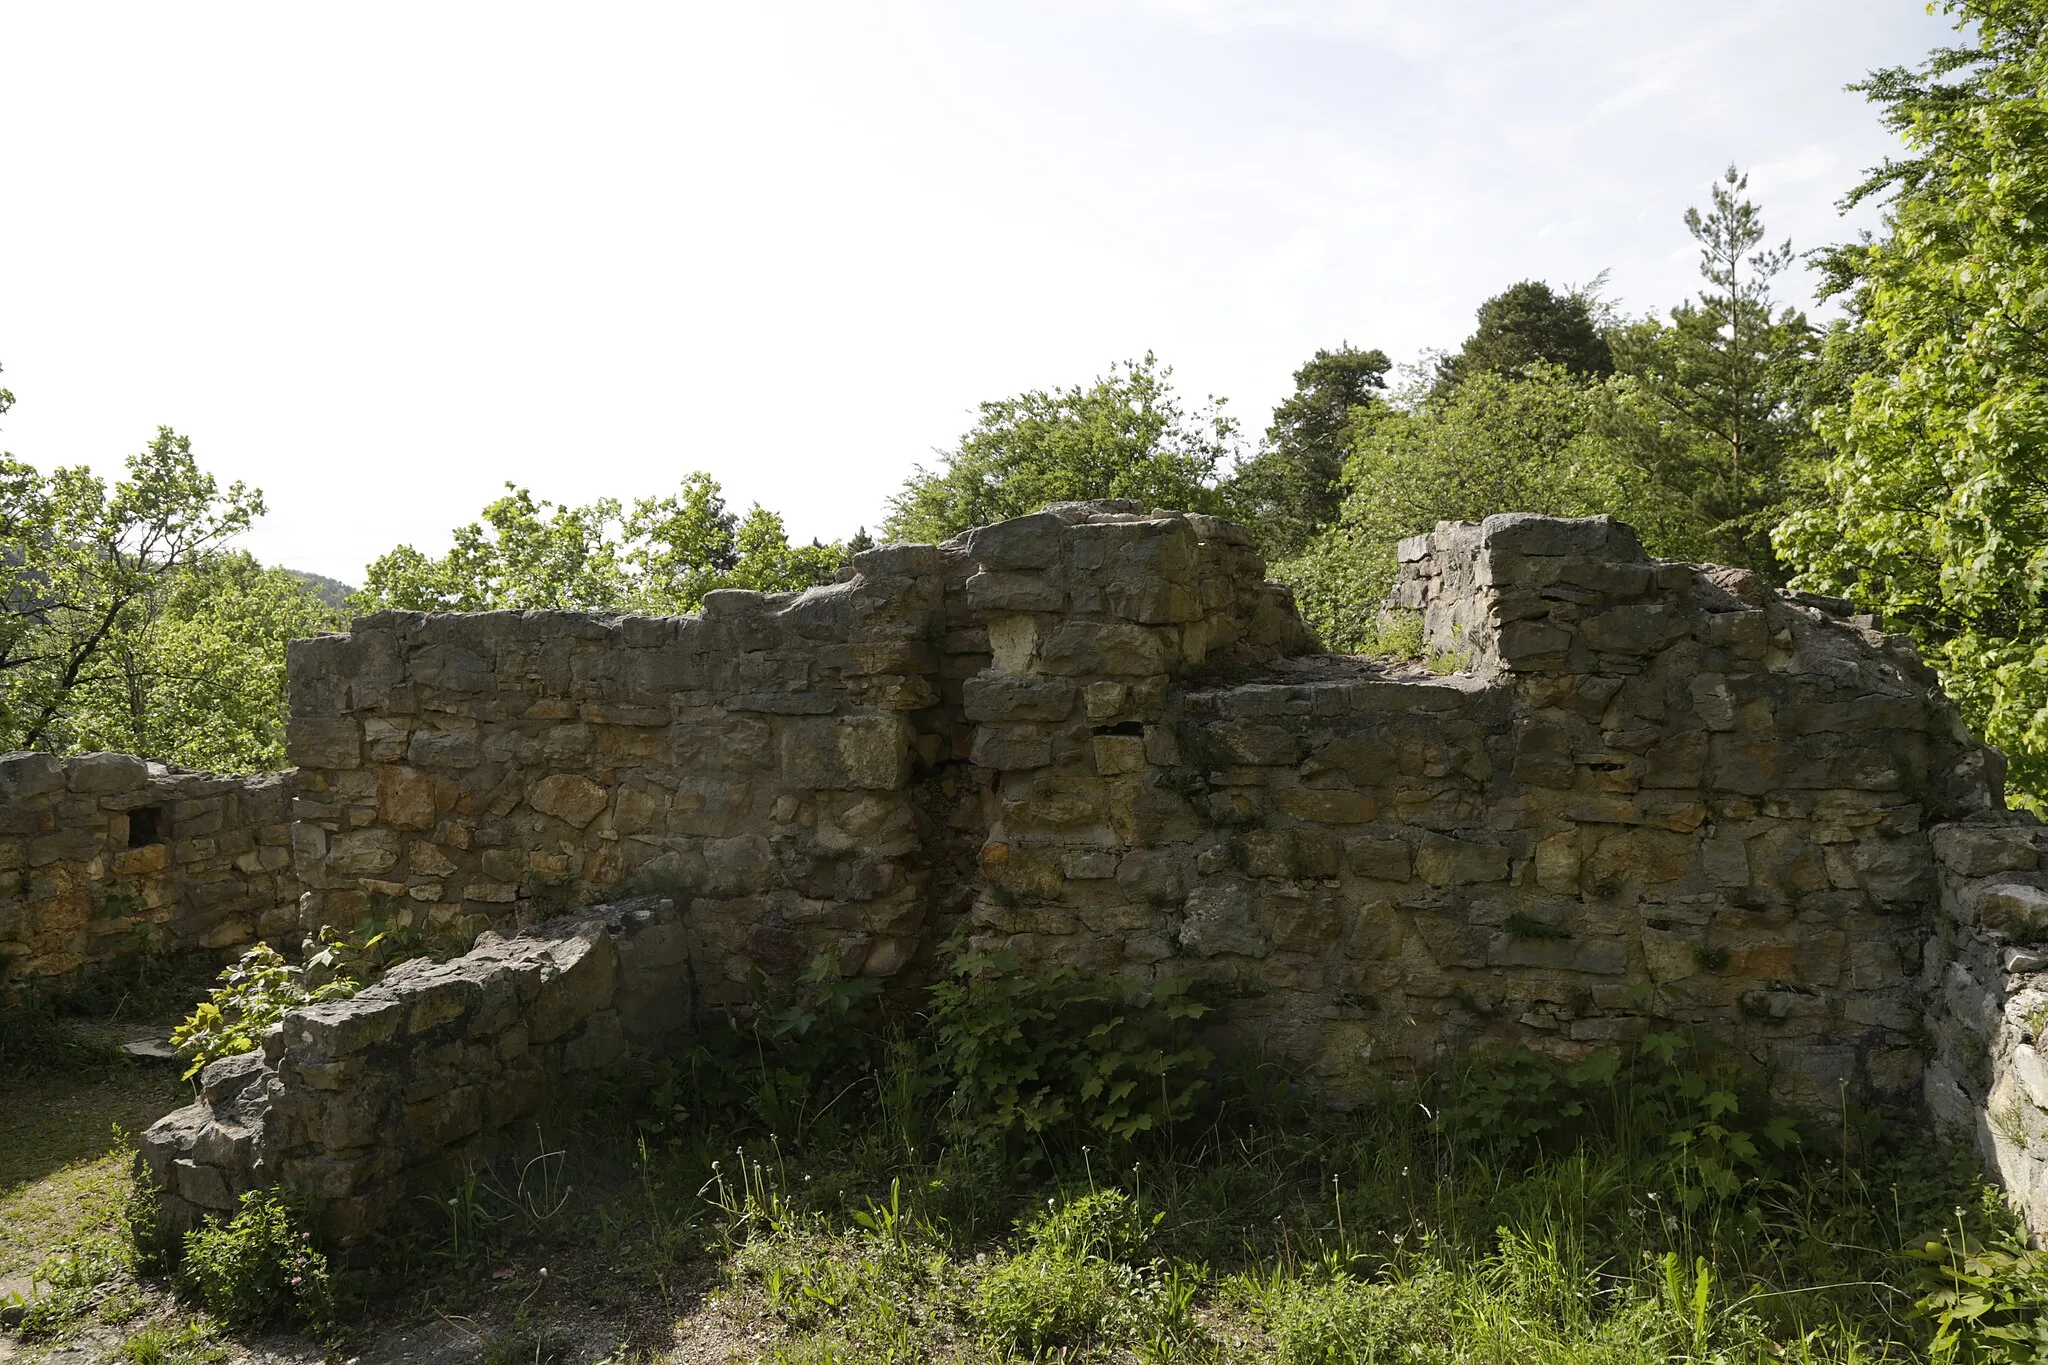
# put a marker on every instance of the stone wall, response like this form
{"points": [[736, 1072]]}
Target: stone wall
{"points": [[1625, 796], [103, 856], [1986, 982], [1657, 796], [363, 1104], [805, 772]]}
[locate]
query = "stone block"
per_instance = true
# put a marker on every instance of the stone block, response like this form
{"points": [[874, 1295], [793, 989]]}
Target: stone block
{"points": [[1119, 754], [324, 742], [1012, 697], [1980, 851], [104, 774], [573, 799], [1328, 806], [1444, 861], [1011, 747]]}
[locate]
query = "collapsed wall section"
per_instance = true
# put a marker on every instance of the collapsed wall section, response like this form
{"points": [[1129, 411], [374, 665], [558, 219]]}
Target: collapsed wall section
{"points": [[106, 856], [362, 1104]]}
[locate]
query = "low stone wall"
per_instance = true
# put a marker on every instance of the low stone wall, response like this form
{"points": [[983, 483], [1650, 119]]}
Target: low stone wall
{"points": [[104, 855], [1986, 979], [362, 1104]]}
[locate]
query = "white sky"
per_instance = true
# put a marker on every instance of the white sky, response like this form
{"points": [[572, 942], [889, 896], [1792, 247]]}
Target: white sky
{"points": [[378, 258]]}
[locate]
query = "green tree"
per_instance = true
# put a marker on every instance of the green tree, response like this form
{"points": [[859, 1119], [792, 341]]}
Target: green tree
{"points": [[1293, 487], [1535, 443], [1124, 436], [663, 556], [1721, 413], [202, 681], [1936, 499], [1529, 323], [86, 571]]}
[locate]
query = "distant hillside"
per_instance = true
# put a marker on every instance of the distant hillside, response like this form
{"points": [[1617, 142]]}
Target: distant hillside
{"points": [[332, 591]]}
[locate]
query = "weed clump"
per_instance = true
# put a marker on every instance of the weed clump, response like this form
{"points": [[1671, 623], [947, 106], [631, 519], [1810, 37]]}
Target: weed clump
{"points": [[259, 1267]]}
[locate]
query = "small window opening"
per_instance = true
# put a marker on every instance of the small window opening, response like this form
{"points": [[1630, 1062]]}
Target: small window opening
{"points": [[1122, 727], [144, 826]]}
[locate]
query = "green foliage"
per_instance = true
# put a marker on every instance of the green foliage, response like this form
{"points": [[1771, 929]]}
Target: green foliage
{"points": [[1934, 509], [661, 557], [1055, 1057], [252, 993], [1072, 1282], [1340, 1320], [87, 575], [1124, 436], [1716, 404], [1293, 487], [1532, 324], [201, 682], [1490, 444], [259, 1267], [1987, 1298]]}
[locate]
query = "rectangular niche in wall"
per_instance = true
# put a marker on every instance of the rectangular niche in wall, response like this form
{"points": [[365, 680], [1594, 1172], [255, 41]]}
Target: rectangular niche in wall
{"points": [[145, 826]]}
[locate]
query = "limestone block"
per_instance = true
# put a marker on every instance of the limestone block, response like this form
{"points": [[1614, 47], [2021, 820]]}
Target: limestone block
{"points": [[456, 749], [1444, 861], [1117, 648], [324, 742], [1011, 747], [1979, 851], [1023, 697], [1329, 806], [1033, 542], [1010, 591], [1219, 920], [362, 852], [25, 775], [571, 798], [405, 799], [2015, 908], [102, 774], [1117, 754]]}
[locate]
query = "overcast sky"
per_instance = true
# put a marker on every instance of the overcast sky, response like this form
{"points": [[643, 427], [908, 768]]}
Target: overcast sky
{"points": [[379, 258]]}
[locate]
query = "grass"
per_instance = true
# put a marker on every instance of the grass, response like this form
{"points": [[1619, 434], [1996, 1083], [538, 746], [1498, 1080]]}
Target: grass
{"points": [[809, 1191]]}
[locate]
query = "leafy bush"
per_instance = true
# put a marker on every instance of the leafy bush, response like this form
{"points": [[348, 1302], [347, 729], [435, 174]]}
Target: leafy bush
{"points": [[258, 1267], [253, 993], [1071, 1283], [1055, 1056]]}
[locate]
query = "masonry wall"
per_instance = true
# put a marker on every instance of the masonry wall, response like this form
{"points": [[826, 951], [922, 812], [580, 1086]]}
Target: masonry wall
{"points": [[804, 773], [1623, 796], [103, 856], [366, 1103], [1985, 975], [1653, 796]]}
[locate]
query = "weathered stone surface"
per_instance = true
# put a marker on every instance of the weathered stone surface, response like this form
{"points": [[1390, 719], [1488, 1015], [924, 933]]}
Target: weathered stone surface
{"points": [[569, 797]]}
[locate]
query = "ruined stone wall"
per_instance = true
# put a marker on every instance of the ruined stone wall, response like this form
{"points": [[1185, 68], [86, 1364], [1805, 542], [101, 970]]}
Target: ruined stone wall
{"points": [[1625, 796], [806, 773], [363, 1104], [1655, 796], [103, 856], [1986, 981]]}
